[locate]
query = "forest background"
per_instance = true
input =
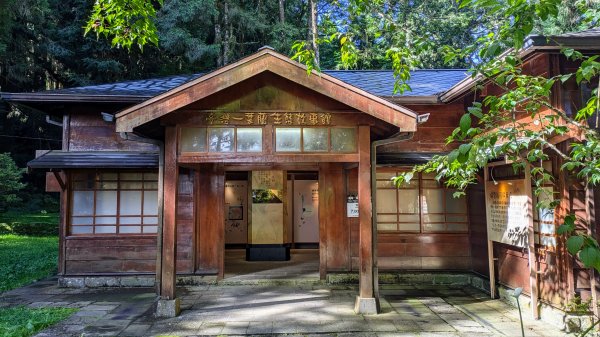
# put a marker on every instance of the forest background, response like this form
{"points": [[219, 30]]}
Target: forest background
{"points": [[43, 47]]}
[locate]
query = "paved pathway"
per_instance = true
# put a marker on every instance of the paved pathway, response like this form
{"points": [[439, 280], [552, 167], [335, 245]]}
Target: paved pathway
{"points": [[292, 311]]}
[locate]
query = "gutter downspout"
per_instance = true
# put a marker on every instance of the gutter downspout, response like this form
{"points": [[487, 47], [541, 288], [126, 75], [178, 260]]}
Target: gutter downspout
{"points": [[161, 176], [396, 138]]}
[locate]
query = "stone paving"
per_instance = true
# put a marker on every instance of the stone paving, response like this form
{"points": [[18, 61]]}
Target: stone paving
{"points": [[311, 310]]}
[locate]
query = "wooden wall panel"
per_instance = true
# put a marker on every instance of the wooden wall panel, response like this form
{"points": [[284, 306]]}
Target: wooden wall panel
{"points": [[430, 136], [88, 132], [512, 266], [211, 221], [133, 255], [418, 251], [185, 222], [478, 229], [332, 212]]}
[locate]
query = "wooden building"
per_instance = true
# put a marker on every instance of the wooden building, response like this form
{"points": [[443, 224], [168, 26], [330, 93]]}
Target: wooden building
{"points": [[155, 174]]}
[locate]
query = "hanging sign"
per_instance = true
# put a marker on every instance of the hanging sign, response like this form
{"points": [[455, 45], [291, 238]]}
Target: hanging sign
{"points": [[352, 207]]}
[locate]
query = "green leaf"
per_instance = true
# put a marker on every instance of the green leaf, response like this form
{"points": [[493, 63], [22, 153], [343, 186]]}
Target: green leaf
{"points": [[465, 123], [590, 256], [464, 148], [574, 244], [563, 229]]}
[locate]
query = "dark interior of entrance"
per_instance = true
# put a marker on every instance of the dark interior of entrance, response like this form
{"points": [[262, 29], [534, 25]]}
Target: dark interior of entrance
{"points": [[271, 233]]}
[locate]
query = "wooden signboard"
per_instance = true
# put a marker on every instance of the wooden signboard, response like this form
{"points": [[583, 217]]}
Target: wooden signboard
{"points": [[509, 213]]}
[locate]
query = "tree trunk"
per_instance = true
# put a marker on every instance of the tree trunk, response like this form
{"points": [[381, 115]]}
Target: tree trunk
{"points": [[218, 39], [282, 11], [227, 34], [312, 29]]}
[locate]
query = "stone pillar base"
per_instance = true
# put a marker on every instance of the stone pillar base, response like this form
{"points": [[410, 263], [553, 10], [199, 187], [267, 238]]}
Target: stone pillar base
{"points": [[366, 306], [168, 308]]}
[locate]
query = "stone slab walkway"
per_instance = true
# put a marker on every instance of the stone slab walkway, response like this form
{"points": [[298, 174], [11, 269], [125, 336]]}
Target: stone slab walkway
{"points": [[278, 310]]}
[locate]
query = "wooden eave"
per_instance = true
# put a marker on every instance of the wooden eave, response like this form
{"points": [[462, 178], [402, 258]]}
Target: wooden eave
{"points": [[262, 61]]}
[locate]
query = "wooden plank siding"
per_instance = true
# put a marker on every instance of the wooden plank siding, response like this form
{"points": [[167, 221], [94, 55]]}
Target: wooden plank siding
{"points": [[110, 255], [185, 222], [88, 132], [431, 135]]}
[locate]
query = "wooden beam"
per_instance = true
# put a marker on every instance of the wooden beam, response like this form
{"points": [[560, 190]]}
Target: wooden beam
{"points": [[169, 228], [364, 214], [59, 179], [260, 158]]}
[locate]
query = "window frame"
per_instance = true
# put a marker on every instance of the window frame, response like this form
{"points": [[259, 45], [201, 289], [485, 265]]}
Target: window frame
{"points": [[207, 150], [329, 143], [95, 188], [421, 214]]}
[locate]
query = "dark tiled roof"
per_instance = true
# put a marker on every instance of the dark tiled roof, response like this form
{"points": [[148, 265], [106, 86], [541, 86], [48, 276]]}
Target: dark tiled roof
{"points": [[594, 32], [98, 159], [145, 88], [377, 82], [381, 82]]}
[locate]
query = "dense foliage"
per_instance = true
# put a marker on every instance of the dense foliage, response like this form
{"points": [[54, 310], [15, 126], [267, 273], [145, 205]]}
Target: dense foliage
{"points": [[10, 181]]}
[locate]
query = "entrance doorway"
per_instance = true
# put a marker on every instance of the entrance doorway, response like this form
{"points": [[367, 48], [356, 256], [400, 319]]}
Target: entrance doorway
{"points": [[298, 227]]}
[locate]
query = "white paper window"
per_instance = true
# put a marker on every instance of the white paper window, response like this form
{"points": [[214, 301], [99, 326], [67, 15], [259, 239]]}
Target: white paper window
{"points": [[343, 139], [424, 205], [315, 139], [288, 139], [192, 140], [131, 202], [111, 203], [220, 139], [249, 139]]}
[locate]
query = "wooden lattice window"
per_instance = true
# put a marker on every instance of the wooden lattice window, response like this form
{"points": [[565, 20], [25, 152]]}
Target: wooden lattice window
{"points": [[421, 206], [114, 203]]}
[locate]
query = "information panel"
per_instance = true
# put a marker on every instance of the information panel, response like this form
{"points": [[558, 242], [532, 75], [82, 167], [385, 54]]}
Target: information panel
{"points": [[508, 212]]}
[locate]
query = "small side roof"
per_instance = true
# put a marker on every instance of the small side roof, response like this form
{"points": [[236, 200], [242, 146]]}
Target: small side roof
{"points": [[94, 159]]}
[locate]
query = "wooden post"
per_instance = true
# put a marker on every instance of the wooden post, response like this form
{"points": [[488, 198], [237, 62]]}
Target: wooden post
{"points": [[366, 302], [591, 230], [491, 264], [169, 228], [533, 270]]}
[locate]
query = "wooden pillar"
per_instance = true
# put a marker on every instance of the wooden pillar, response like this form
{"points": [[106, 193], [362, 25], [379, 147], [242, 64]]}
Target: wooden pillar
{"points": [[531, 252], [365, 302], [334, 234], [211, 220], [169, 226]]}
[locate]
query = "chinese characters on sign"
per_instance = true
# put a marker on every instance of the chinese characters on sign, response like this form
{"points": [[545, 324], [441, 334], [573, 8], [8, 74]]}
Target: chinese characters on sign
{"points": [[508, 212], [264, 118]]}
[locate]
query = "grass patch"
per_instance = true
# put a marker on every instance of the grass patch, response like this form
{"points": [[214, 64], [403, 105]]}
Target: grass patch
{"points": [[29, 217], [22, 321], [25, 259]]}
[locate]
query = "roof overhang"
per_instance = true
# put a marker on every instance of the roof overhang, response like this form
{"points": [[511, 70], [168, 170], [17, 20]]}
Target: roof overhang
{"points": [[94, 159], [533, 43], [45, 97], [265, 60]]}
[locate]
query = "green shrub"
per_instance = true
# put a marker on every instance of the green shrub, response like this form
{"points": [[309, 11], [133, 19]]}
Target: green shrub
{"points": [[29, 229], [35, 229]]}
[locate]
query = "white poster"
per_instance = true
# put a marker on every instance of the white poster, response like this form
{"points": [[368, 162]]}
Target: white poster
{"points": [[508, 212], [236, 211]]}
